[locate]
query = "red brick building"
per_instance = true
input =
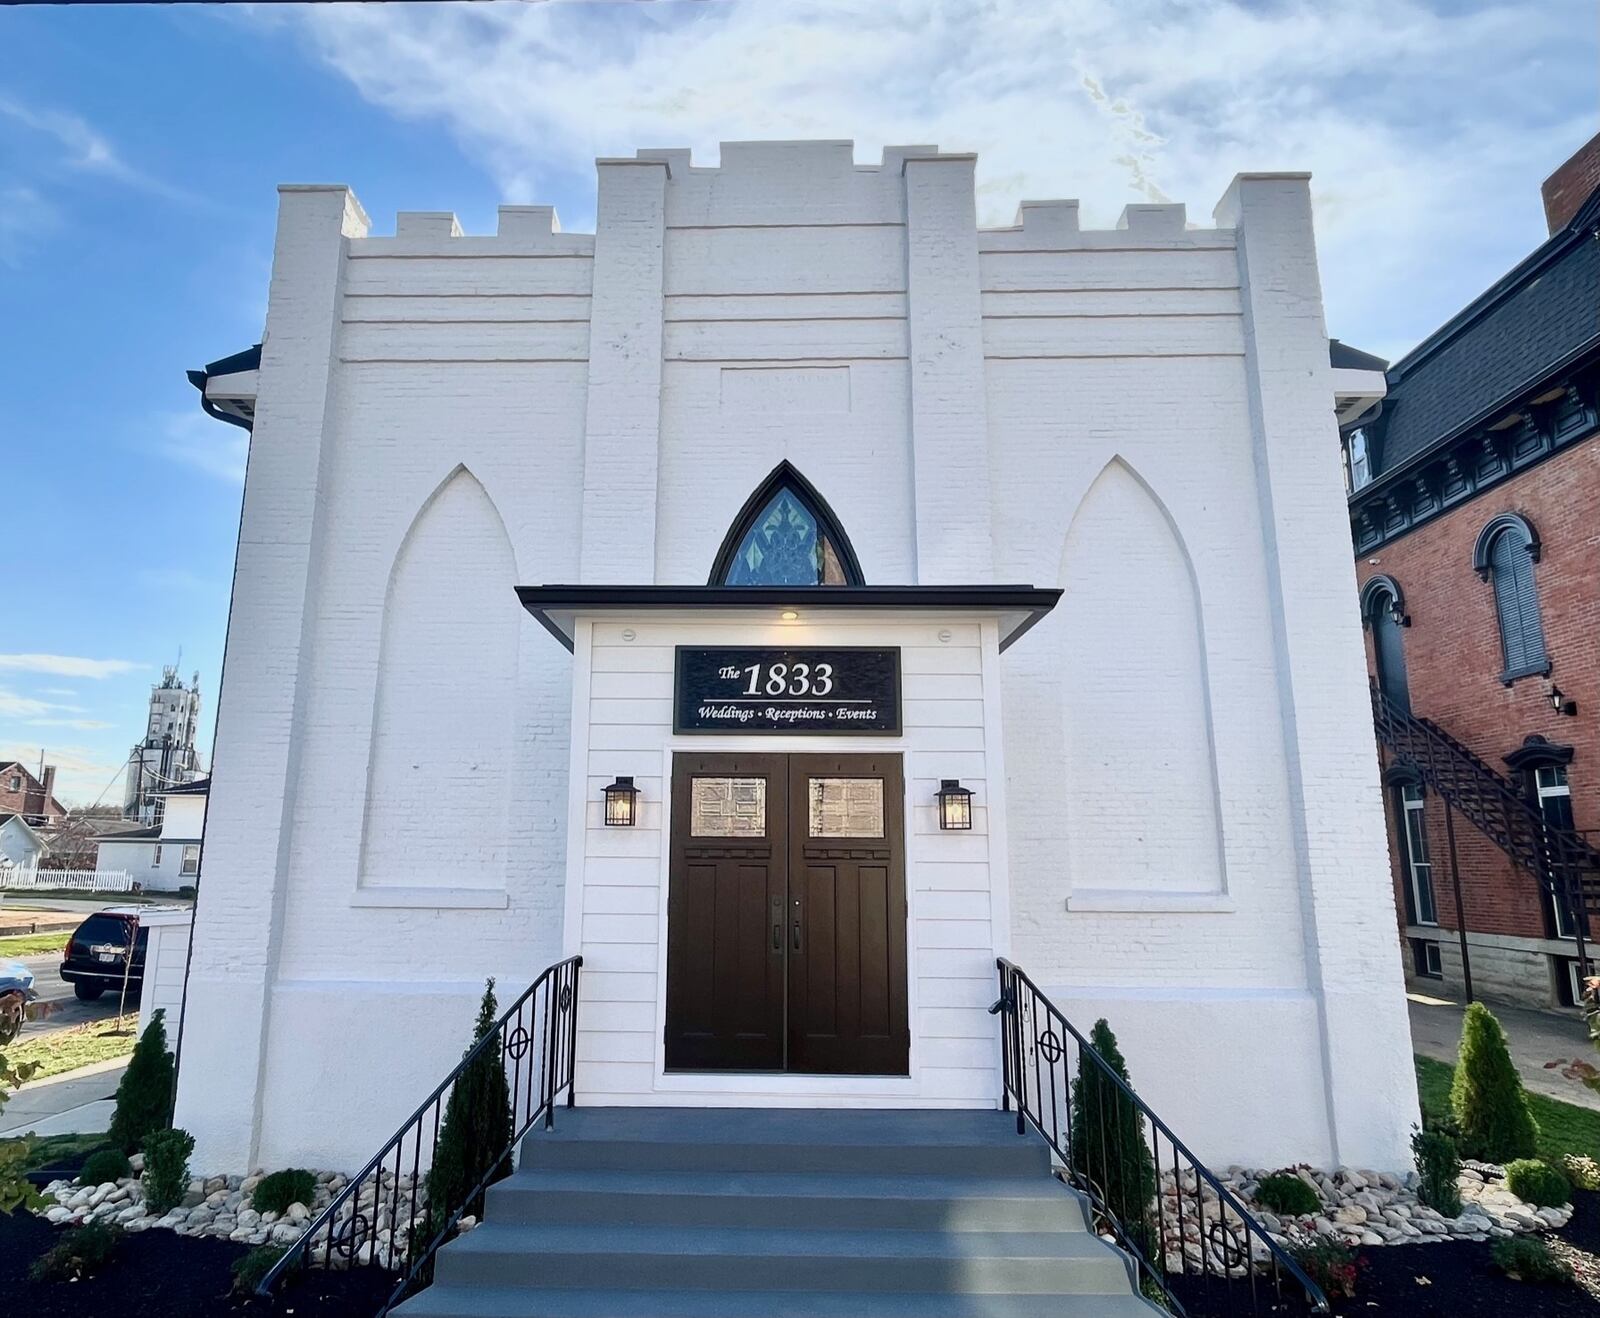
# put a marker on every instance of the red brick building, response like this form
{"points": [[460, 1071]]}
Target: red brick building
{"points": [[1475, 513], [23, 794]]}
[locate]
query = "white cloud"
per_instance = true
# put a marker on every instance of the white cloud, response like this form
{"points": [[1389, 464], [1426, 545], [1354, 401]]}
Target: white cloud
{"points": [[79, 146], [81, 724], [84, 775], [14, 706], [65, 665], [1425, 144], [24, 216], [197, 440], [175, 579]]}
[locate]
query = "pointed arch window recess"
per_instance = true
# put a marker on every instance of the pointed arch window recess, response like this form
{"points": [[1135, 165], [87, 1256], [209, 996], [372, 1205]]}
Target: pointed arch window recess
{"points": [[786, 535]]}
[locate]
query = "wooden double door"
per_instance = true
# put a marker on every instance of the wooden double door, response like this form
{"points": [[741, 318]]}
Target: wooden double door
{"points": [[786, 915]]}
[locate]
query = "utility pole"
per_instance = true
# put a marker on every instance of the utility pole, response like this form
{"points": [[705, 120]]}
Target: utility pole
{"points": [[1461, 913]]}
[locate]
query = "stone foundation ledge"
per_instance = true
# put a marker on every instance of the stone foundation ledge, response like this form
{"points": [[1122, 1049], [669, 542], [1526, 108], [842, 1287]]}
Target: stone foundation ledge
{"points": [[1358, 1208]]}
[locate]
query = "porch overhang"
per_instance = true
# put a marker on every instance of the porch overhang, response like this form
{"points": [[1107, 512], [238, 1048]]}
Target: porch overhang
{"points": [[1016, 608]]}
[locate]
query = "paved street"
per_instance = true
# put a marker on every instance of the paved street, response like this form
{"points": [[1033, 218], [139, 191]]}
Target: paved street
{"points": [[58, 1006], [1549, 1048], [66, 1104]]}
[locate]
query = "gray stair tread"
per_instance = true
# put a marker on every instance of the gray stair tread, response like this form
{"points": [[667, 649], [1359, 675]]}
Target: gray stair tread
{"points": [[765, 1242], [908, 1185], [872, 1127], [456, 1301]]}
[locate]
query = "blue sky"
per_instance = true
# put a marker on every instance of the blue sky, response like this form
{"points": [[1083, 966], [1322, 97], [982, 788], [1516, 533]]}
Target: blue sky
{"points": [[139, 150]]}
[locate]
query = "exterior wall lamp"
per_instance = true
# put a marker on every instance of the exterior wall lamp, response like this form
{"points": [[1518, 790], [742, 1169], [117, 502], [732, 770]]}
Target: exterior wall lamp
{"points": [[1559, 701], [621, 799], [955, 805]]}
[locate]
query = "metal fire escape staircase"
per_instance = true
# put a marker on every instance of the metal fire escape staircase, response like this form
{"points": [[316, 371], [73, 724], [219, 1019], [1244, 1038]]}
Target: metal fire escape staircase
{"points": [[1566, 867]]}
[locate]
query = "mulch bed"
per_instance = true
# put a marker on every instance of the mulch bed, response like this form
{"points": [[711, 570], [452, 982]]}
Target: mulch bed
{"points": [[159, 1273], [1454, 1280]]}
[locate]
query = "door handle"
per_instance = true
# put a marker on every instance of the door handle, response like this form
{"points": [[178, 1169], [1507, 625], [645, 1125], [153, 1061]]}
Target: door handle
{"points": [[797, 936], [777, 924]]}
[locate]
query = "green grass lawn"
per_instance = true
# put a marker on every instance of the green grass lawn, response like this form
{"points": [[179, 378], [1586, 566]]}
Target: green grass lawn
{"points": [[1563, 1127], [52, 1150], [33, 944], [78, 1045]]}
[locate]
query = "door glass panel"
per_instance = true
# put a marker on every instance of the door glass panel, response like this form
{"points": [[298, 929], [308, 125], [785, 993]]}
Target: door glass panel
{"points": [[846, 807], [728, 807]]}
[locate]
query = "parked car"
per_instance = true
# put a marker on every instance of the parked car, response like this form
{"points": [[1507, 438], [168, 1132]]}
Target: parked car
{"points": [[97, 954], [16, 992]]}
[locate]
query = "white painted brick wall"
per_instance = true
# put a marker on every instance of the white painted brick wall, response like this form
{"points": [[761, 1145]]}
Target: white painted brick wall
{"points": [[954, 394]]}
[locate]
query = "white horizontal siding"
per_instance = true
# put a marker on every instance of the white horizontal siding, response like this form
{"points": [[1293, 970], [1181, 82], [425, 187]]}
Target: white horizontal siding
{"points": [[620, 917]]}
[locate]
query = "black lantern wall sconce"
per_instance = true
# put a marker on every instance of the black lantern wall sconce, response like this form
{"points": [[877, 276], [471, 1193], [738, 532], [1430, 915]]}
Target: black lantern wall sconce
{"points": [[955, 805], [622, 803], [1559, 701]]}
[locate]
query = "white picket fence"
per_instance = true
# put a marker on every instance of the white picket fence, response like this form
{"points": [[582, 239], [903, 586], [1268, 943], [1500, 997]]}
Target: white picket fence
{"points": [[25, 880]]}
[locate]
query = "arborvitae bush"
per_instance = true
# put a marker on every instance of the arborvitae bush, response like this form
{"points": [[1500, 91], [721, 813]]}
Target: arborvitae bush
{"points": [[1286, 1194], [276, 1192], [476, 1134], [104, 1165], [1438, 1166], [144, 1098], [166, 1168], [1538, 1183], [1109, 1149], [79, 1253], [1486, 1095]]}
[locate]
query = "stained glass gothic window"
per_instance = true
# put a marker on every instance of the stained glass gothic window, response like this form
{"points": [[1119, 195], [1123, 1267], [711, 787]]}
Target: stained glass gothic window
{"points": [[788, 541]]}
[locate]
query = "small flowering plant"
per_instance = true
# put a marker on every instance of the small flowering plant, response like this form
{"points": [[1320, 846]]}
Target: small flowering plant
{"points": [[1332, 1264]]}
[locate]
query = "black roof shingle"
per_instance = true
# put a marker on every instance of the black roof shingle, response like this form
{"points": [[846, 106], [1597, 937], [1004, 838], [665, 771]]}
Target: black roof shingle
{"points": [[1541, 315]]}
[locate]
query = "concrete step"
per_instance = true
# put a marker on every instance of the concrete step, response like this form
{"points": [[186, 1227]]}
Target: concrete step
{"points": [[793, 1200], [865, 1141], [756, 1213], [747, 1258], [445, 1301]]}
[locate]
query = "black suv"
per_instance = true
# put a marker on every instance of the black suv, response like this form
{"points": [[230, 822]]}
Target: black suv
{"points": [[97, 953]]}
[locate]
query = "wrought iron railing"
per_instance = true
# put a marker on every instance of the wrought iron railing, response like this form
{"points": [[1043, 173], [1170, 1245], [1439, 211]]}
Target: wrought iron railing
{"points": [[383, 1216], [1185, 1231], [1564, 863]]}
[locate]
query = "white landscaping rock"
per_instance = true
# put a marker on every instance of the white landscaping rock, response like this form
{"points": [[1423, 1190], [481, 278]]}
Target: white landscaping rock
{"points": [[1361, 1207]]}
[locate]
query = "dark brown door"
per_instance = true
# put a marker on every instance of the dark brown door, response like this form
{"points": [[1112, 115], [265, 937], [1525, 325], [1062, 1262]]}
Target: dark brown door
{"points": [[786, 915], [725, 912], [847, 913]]}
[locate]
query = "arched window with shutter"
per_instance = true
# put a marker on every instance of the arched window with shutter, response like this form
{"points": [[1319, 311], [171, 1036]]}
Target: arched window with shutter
{"points": [[1505, 554], [1383, 610]]}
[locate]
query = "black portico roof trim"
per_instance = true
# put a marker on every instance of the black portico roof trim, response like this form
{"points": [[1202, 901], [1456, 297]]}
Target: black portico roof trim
{"points": [[1032, 602], [247, 360]]}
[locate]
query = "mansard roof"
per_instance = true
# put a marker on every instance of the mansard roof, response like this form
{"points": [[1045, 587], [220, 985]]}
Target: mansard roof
{"points": [[1506, 383], [1542, 315]]}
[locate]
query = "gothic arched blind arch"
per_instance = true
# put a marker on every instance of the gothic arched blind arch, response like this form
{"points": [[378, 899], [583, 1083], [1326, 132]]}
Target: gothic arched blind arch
{"points": [[1506, 553], [786, 535]]}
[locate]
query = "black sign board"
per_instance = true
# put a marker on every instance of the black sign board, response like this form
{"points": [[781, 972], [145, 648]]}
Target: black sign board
{"points": [[737, 689]]}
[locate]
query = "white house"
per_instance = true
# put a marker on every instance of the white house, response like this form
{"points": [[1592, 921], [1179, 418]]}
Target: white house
{"points": [[21, 846], [818, 496], [166, 856]]}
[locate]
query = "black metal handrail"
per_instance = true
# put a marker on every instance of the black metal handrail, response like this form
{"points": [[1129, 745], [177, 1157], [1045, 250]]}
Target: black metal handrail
{"points": [[1164, 1229], [383, 1216], [1562, 861]]}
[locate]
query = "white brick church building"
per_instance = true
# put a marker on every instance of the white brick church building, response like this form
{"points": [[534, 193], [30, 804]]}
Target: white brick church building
{"points": [[791, 495]]}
